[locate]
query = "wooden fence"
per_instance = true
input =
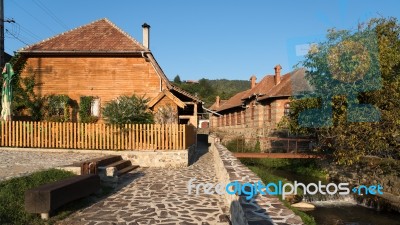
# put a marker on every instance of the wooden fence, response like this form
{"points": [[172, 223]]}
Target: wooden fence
{"points": [[96, 136]]}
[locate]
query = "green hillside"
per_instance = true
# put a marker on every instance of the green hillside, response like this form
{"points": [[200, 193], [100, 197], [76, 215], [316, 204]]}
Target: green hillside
{"points": [[207, 89]]}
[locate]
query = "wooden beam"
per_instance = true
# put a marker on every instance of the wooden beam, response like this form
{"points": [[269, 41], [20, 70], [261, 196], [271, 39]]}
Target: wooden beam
{"points": [[167, 93], [152, 102], [175, 99]]}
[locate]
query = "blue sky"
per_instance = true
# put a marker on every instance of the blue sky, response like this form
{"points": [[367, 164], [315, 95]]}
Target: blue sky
{"points": [[208, 38]]}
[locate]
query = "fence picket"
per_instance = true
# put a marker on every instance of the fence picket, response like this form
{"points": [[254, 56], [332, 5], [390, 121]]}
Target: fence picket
{"points": [[95, 136]]}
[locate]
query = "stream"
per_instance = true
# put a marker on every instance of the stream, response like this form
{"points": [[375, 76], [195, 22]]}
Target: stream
{"points": [[341, 211]]}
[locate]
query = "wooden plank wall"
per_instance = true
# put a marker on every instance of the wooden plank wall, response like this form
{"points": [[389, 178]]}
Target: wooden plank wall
{"points": [[104, 77], [96, 136]]}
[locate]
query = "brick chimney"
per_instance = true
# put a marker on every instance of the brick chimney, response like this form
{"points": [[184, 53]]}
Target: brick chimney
{"points": [[277, 76], [146, 35], [217, 101], [253, 81]]}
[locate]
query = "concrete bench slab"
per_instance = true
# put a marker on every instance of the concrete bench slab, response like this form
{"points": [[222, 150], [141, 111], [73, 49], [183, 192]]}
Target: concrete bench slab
{"points": [[47, 198]]}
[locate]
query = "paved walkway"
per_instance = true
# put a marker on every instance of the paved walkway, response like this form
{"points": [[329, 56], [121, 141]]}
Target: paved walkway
{"points": [[158, 196], [15, 163]]}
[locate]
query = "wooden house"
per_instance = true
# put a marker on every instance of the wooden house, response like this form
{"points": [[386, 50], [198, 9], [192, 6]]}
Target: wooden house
{"points": [[101, 60]]}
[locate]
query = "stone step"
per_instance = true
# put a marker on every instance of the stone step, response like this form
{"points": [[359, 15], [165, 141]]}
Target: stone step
{"points": [[127, 169], [101, 161], [106, 160], [120, 164]]}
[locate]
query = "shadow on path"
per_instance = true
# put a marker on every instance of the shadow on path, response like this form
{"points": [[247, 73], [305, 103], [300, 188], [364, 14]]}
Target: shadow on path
{"points": [[201, 148]]}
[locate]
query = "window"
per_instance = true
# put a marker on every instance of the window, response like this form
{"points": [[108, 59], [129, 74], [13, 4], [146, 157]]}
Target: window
{"points": [[252, 111], [95, 107], [58, 109], [268, 112], [287, 109]]}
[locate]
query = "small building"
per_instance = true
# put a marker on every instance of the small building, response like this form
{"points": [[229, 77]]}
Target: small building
{"points": [[257, 111], [101, 60]]}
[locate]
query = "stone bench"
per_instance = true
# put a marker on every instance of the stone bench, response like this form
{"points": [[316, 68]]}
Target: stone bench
{"points": [[48, 197]]}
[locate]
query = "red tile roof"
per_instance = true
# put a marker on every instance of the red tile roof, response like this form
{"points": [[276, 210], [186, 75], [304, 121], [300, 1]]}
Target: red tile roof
{"points": [[291, 83], [266, 84], [235, 101], [99, 36], [214, 106]]}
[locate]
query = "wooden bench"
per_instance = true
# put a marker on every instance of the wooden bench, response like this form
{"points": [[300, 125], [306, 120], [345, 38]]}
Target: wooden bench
{"points": [[48, 197]]}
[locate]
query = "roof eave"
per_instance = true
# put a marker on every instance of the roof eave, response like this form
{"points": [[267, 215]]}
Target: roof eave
{"points": [[231, 107], [272, 97], [187, 94], [97, 53]]}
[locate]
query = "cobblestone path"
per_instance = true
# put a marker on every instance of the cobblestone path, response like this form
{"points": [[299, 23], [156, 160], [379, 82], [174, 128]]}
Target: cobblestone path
{"points": [[158, 196]]}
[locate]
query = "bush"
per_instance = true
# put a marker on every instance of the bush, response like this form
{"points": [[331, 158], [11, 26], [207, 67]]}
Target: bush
{"points": [[240, 145], [127, 110]]}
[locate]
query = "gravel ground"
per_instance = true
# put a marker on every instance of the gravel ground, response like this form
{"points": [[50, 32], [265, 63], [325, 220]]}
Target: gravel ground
{"points": [[20, 163]]}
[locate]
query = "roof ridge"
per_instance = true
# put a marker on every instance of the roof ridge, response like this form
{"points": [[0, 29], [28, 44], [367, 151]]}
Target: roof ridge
{"points": [[83, 26], [123, 32]]}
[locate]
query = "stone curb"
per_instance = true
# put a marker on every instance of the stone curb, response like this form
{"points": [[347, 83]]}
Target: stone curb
{"points": [[261, 209]]}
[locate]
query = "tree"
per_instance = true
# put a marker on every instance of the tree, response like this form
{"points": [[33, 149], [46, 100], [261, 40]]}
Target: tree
{"points": [[127, 110], [354, 109], [25, 98], [177, 79]]}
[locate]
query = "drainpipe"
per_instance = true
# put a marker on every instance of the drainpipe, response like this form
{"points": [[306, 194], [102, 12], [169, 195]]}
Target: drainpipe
{"points": [[211, 111]]}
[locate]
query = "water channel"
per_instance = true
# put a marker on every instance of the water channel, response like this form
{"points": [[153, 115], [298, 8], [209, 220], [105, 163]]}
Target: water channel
{"points": [[342, 211]]}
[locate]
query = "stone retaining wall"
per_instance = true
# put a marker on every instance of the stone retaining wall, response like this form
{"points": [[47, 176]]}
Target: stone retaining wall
{"points": [[143, 158], [262, 209]]}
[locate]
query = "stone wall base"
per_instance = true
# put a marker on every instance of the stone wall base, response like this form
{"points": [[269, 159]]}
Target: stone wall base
{"points": [[143, 158], [261, 209]]}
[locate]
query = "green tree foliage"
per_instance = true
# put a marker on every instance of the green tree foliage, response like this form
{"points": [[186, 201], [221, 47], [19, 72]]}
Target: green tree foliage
{"points": [[342, 58], [177, 79], [207, 89], [26, 100], [127, 110]]}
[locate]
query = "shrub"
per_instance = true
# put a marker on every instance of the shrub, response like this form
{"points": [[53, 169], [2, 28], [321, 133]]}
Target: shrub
{"points": [[127, 110]]}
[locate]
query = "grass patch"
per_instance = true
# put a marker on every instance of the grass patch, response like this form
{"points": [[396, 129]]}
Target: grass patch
{"points": [[306, 167], [307, 219], [12, 197]]}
